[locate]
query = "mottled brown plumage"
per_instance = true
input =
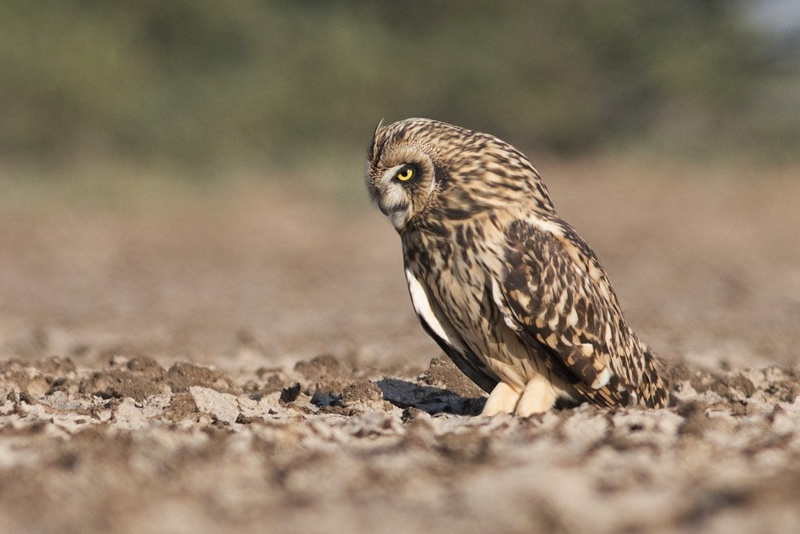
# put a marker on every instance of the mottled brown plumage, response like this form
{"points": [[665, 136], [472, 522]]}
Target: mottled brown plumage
{"points": [[508, 290]]}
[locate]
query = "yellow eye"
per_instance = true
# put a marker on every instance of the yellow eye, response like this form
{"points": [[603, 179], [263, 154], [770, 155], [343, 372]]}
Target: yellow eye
{"points": [[405, 173]]}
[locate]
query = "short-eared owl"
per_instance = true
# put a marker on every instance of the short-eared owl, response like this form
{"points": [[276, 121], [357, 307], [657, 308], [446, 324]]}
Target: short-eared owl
{"points": [[507, 289]]}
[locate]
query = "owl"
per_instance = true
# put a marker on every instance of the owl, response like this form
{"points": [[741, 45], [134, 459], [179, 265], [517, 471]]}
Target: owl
{"points": [[508, 290]]}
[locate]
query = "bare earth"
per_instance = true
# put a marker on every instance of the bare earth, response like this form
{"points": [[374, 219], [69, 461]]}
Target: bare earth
{"points": [[250, 362]]}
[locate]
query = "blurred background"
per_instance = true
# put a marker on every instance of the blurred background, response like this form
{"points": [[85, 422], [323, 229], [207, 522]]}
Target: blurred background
{"points": [[214, 86], [184, 178]]}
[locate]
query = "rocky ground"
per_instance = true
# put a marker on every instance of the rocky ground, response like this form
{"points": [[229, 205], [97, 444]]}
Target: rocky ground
{"points": [[249, 361]]}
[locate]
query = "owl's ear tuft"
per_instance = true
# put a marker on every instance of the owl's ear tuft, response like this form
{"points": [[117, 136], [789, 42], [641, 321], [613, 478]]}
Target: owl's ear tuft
{"points": [[377, 143]]}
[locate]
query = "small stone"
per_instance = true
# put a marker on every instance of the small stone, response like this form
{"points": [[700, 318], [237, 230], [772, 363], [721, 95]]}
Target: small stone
{"points": [[223, 406]]}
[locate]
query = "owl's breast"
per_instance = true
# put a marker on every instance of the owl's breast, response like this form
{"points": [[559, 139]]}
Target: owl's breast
{"points": [[458, 279]]}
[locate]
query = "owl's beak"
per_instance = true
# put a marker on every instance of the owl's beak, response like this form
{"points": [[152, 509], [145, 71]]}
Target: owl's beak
{"points": [[383, 208]]}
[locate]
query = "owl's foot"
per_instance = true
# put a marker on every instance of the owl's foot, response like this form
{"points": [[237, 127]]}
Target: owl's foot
{"points": [[502, 399]]}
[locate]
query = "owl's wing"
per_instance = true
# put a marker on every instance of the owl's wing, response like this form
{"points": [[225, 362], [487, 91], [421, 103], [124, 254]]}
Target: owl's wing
{"points": [[439, 328], [556, 296]]}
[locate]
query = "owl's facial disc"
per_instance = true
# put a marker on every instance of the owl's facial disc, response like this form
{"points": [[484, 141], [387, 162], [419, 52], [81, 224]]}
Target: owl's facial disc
{"points": [[400, 179], [394, 193]]}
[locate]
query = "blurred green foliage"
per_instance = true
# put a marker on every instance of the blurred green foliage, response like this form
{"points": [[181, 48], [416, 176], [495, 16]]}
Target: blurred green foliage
{"points": [[204, 81]]}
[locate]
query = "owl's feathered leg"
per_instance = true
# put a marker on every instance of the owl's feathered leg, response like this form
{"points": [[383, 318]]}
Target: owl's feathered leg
{"points": [[538, 396], [502, 399]]}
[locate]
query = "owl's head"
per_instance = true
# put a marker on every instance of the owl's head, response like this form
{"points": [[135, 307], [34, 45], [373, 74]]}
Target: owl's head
{"points": [[421, 170], [402, 175]]}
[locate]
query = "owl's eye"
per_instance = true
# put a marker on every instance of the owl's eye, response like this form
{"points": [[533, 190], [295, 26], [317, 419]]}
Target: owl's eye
{"points": [[405, 173]]}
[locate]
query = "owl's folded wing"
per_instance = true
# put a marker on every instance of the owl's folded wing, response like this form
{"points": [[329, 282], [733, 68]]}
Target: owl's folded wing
{"points": [[555, 295]]}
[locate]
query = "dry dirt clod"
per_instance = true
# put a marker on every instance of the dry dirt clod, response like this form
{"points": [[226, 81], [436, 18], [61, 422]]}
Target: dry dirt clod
{"points": [[290, 394]]}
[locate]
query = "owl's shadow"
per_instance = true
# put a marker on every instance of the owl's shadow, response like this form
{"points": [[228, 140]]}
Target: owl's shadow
{"points": [[405, 394]]}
